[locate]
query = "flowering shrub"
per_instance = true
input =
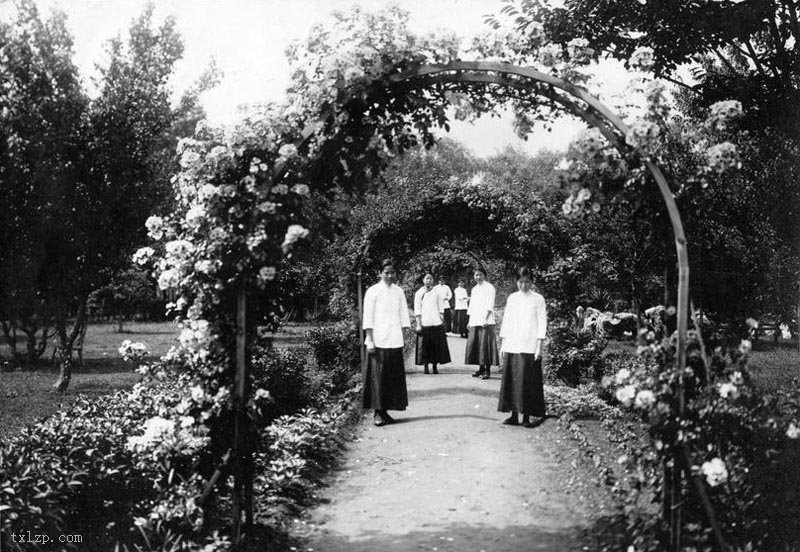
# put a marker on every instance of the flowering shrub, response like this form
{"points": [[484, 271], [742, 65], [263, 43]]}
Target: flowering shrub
{"points": [[726, 429], [95, 458], [132, 351]]}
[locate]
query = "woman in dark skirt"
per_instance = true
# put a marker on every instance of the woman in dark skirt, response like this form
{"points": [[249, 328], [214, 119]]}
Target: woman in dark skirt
{"points": [[460, 310], [523, 333], [481, 342], [384, 376], [429, 308]]}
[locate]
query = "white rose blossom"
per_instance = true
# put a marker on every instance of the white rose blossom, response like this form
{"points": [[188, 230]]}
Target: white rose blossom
{"points": [[642, 59], [722, 157], [143, 255], [267, 273], [169, 278], [626, 394], [723, 114], [550, 55], [301, 189], [645, 399], [643, 135], [155, 227], [793, 432], [622, 376], [293, 233], [728, 391], [715, 471]]}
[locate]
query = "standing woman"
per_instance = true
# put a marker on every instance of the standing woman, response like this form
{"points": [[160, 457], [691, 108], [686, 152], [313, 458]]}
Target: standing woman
{"points": [[429, 309], [460, 311], [481, 343], [523, 333], [385, 316], [444, 290]]}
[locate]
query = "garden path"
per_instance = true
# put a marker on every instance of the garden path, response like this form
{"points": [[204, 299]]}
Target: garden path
{"points": [[449, 477]]}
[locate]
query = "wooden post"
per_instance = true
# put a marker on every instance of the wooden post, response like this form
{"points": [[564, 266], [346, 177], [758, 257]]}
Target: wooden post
{"points": [[242, 474], [361, 346]]}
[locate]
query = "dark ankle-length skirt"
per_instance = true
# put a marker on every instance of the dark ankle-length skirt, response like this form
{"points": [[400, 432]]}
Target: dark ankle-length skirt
{"points": [[432, 346], [460, 320], [521, 389], [384, 378], [482, 346], [448, 320]]}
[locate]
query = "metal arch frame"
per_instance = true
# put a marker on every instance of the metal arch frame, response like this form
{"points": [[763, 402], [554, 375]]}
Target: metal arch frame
{"points": [[597, 115]]}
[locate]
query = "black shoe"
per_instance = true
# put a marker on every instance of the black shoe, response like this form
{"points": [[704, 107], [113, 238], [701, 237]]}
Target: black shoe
{"points": [[486, 376], [426, 370], [477, 374], [535, 423], [388, 419], [435, 370], [511, 420], [379, 420]]}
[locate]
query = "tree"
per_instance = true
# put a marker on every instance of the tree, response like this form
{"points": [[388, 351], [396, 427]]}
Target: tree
{"points": [[82, 176], [41, 116], [736, 50], [127, 139]]}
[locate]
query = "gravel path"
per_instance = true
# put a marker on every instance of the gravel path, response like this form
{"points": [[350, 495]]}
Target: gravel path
{"points": [[449, 477]]}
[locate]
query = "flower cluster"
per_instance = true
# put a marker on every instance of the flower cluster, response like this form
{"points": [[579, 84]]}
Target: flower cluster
{"points": [[164, 438], [723, 157], [130, 350], [579, 51], [643, 135], [723, 114], [642, 59]]}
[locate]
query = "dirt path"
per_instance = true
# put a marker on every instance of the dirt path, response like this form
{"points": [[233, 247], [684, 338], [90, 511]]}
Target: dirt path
{"points": [[449, 477]]}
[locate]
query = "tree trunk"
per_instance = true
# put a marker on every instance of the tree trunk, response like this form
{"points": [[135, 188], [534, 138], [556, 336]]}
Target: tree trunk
{"points": [[64, 343], [10, 333]]}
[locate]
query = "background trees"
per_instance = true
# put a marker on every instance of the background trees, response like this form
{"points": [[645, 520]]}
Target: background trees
{"points": [[742, 241], [80, 175]]}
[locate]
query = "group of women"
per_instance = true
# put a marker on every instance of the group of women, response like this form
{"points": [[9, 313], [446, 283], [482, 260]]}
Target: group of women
{"points": [[522, 334]]}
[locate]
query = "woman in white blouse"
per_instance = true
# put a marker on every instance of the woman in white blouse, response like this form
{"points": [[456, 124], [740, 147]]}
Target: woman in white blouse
{"points": [[385, 316], [429, 309], [523, 333], [481, 342], [460, 310]]}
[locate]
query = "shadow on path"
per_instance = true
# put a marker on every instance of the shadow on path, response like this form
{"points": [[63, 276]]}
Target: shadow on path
{"points": [[460, 537]]}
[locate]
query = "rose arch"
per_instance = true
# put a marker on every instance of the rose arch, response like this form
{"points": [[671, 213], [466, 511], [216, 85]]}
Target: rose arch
{"points": [[239, 199]]}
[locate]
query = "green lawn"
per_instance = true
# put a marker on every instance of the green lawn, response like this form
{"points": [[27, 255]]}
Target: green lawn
{"points": [[25, 395]]}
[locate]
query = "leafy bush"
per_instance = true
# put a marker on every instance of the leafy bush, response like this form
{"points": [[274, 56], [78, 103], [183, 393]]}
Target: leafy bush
{"points": [[575, 356], [294, 452], [335, 349], [91, 458], [292, 382]]}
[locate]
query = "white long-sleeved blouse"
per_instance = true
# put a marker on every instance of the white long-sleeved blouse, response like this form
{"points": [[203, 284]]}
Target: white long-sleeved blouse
{"points": [[430, 305], [481, 305], [524, 322], [462, 299], [386, 314], [445, 292]]}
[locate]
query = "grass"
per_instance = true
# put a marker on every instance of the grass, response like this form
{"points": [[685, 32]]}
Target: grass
{"points": [[25, 394]]}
